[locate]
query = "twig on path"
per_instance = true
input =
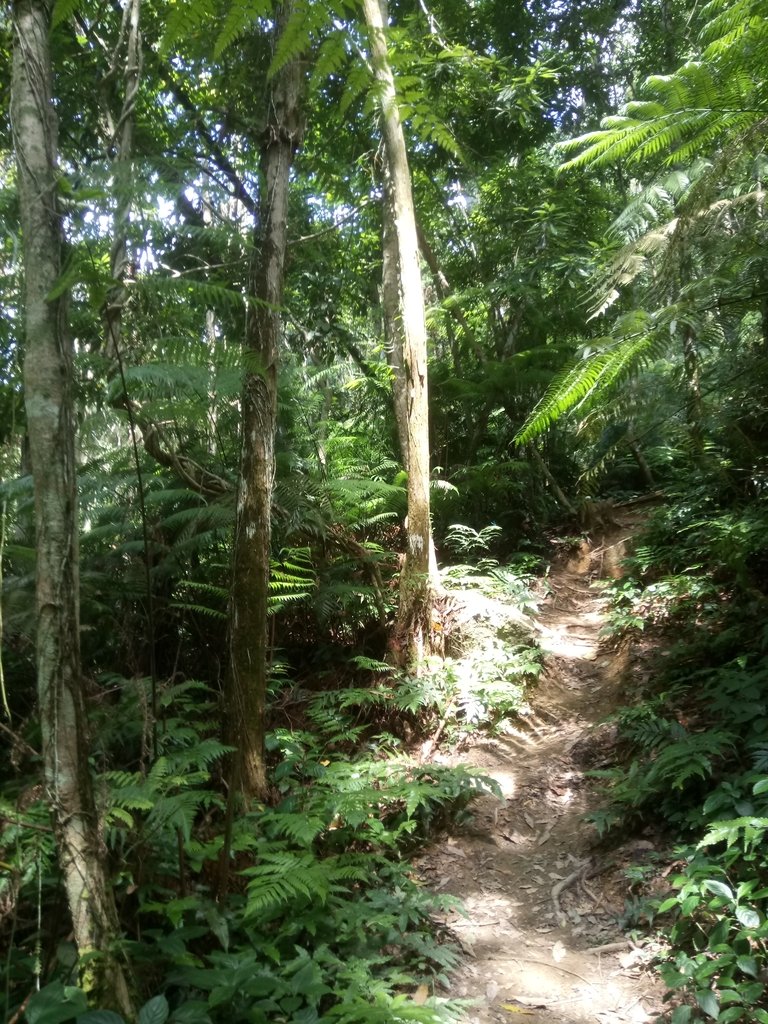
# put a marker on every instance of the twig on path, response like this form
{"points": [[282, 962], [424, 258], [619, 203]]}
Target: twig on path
{"points": [[21, 1010], [597, 900], [559, 888], [609, 947]]}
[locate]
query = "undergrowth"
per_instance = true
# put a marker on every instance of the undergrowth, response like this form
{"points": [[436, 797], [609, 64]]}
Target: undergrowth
{"points": [[695, 746], [322, 919]]}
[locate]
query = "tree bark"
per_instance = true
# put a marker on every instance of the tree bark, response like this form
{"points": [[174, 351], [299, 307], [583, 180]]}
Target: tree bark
{"points": [[245, 688], [50, 423], [403, 300]]}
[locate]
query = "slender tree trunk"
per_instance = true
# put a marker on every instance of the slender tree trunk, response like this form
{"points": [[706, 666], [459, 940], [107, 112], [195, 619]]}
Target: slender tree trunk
{"points": [[403, 300], [549, 476], [246, 684], [445, 290], [393, 334], [48, 401], [640, 459], [122, 169], [694, 412]]}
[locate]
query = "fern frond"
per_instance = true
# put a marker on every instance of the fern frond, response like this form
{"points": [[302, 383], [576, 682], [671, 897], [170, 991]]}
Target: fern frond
{"points": [[63, 11], [187, 18], [697, 105], [591, 378], [241, 15], [285, 876]]}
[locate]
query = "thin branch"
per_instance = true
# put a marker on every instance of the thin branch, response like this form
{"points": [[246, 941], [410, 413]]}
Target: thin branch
{"points": [[19, 741]]}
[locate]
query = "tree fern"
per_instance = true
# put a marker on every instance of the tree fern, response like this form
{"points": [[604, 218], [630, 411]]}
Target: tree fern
{"points": [[722, 95], [590, 378], [188, 18], [63, 11], [241, 16]]}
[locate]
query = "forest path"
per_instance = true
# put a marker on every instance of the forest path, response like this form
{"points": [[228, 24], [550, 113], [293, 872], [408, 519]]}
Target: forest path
{"points": [[544, 935]]}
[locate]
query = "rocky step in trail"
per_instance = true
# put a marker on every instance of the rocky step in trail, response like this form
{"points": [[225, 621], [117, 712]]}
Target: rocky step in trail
{"points": [[543, 935]]}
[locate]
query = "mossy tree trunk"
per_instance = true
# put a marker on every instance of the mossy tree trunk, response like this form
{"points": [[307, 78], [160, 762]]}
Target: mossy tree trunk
{"points": [[50, 424], [245, 690]]}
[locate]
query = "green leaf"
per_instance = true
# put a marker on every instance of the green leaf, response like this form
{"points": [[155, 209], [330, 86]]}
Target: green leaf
{"points": [[193, 1012], [719, 933], [218, 925], [760, 787], [156, 1011], [667, 904], [681, 1015], [719, 888], [708, 1002], [100, 1017], [731, 1014], [747, 917], [747, 964], [55, 1004]]}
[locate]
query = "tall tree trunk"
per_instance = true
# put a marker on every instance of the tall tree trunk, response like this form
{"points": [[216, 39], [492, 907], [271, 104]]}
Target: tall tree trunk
{"points": [[48, 401], [403, 300], [245, 690], [122, 129]]}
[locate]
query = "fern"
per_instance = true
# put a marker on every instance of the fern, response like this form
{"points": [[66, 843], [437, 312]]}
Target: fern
{"points": [[285, 876], [241, 15], [719, 96], [592, 377], [63, 11], [187, 19]]}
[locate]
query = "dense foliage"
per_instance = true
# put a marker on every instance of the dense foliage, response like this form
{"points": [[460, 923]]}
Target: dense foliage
{"points": [[589, 187]]}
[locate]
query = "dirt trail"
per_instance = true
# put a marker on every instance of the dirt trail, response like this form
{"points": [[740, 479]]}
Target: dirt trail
{"points": [[540, 900]]}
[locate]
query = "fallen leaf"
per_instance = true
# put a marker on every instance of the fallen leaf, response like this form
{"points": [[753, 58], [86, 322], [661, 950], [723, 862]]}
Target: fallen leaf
{"points": [[455, 851], [421, 995], [559, 952], [511, 1008], [491, 991]]}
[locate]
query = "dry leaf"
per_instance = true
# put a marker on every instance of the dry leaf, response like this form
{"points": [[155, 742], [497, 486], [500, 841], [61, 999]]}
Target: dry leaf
{"points": [[491, 991], [421, 995], [559, 952]]}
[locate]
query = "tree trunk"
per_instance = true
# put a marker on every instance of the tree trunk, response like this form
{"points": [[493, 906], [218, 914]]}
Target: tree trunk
{"points": [[640, 459], [549, 476], [50, 422], [694, 411], [246, 684], [122, 131], [403, 301]]}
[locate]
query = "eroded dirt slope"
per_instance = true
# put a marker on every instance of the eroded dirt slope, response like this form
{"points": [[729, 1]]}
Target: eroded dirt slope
{"points": [[545, 938]]}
